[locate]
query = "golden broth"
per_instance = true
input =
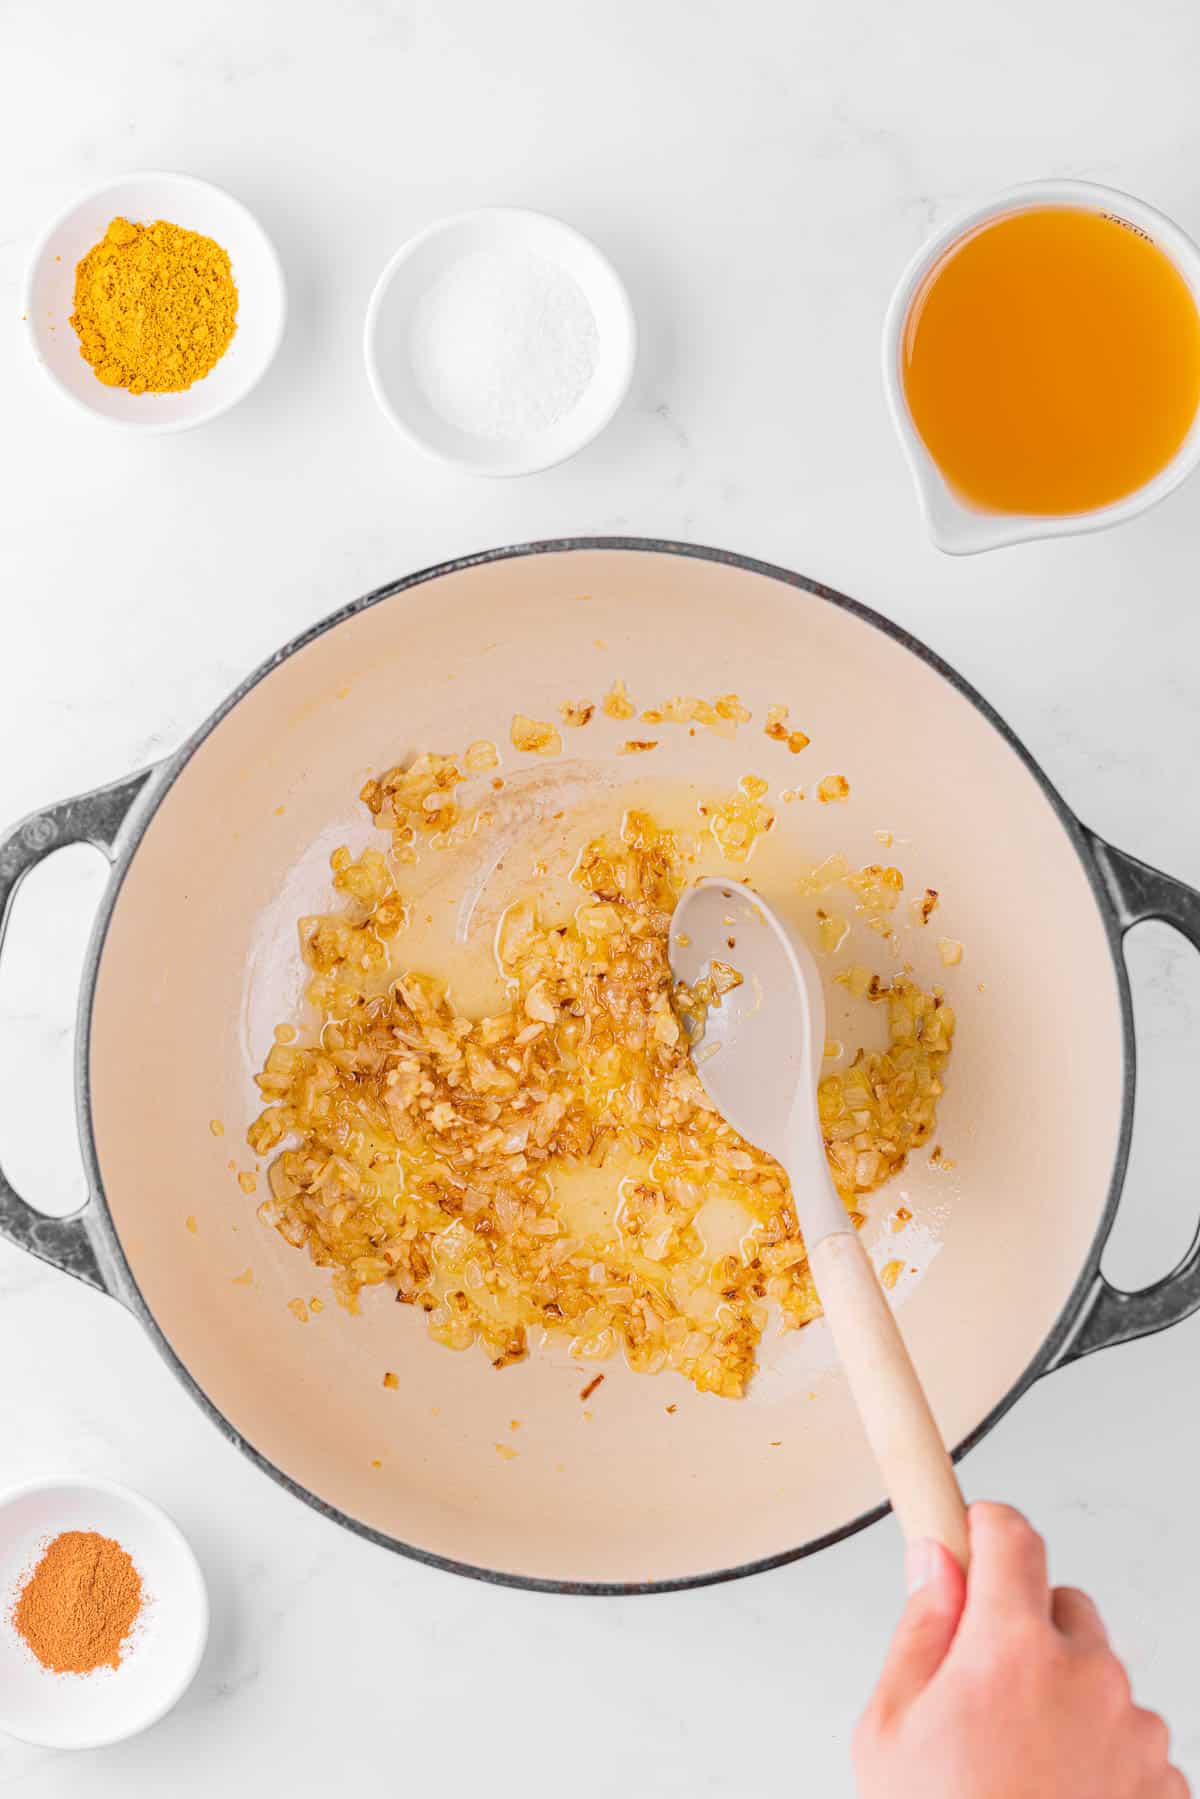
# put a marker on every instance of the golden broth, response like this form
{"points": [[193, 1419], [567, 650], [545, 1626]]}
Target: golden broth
{"points": [[1051, 362]]}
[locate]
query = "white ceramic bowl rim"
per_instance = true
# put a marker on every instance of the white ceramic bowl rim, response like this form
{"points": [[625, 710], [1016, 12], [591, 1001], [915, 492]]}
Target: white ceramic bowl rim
{"points": [[955, 526], [618, 352], [203, 414]]}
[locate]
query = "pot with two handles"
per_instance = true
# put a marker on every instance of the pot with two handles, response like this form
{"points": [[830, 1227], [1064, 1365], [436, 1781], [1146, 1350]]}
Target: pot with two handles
{"points": [[216, 851]]}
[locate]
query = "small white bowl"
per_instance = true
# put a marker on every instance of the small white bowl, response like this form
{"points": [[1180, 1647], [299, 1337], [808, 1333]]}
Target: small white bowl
{"points": [[955, 526], [387, 338], [88, 1711], [196, 206]]}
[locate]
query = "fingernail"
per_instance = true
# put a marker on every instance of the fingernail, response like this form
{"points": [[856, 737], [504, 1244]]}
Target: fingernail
{"points": [[920, 1564]]}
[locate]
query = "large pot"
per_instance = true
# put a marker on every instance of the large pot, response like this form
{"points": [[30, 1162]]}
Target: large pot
{"points": [[207, 869]]}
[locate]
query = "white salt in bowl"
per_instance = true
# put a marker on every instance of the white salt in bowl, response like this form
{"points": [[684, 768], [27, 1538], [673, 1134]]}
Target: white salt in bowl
{"points": [[194, 205], [89, 1711], [449, 319]]}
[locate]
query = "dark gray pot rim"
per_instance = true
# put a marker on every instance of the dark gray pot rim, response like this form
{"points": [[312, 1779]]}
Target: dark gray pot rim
{"points": [[1094, 1315]]}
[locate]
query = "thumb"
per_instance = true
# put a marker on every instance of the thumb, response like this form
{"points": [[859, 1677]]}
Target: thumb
{"points": [[937, 1589]]}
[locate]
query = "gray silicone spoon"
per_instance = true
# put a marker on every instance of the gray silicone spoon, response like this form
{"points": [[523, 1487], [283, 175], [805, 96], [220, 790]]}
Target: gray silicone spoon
{"points": [[759, 1057]]}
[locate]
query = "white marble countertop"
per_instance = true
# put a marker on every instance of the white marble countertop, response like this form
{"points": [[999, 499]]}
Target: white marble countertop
{"points": [[759, 174]]}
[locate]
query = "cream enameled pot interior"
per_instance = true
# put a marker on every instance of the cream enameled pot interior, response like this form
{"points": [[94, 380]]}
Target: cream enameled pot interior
{"points": [[199, 948]]}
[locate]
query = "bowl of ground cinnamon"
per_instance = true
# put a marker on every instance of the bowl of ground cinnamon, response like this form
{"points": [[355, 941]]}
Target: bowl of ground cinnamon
{"points": [[103, 1613], [156, 302]]}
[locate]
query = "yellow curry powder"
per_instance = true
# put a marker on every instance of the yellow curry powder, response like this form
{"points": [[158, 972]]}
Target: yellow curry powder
{"points": [[155, 307]]}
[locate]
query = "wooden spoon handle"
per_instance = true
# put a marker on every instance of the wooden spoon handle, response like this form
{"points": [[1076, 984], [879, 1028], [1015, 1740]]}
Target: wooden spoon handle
{"points": [[900, 1427]]}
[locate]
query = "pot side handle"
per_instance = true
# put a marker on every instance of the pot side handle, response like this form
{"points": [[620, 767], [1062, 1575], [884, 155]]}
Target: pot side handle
{"points": [[1109, 1315], [72, 1244]]}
